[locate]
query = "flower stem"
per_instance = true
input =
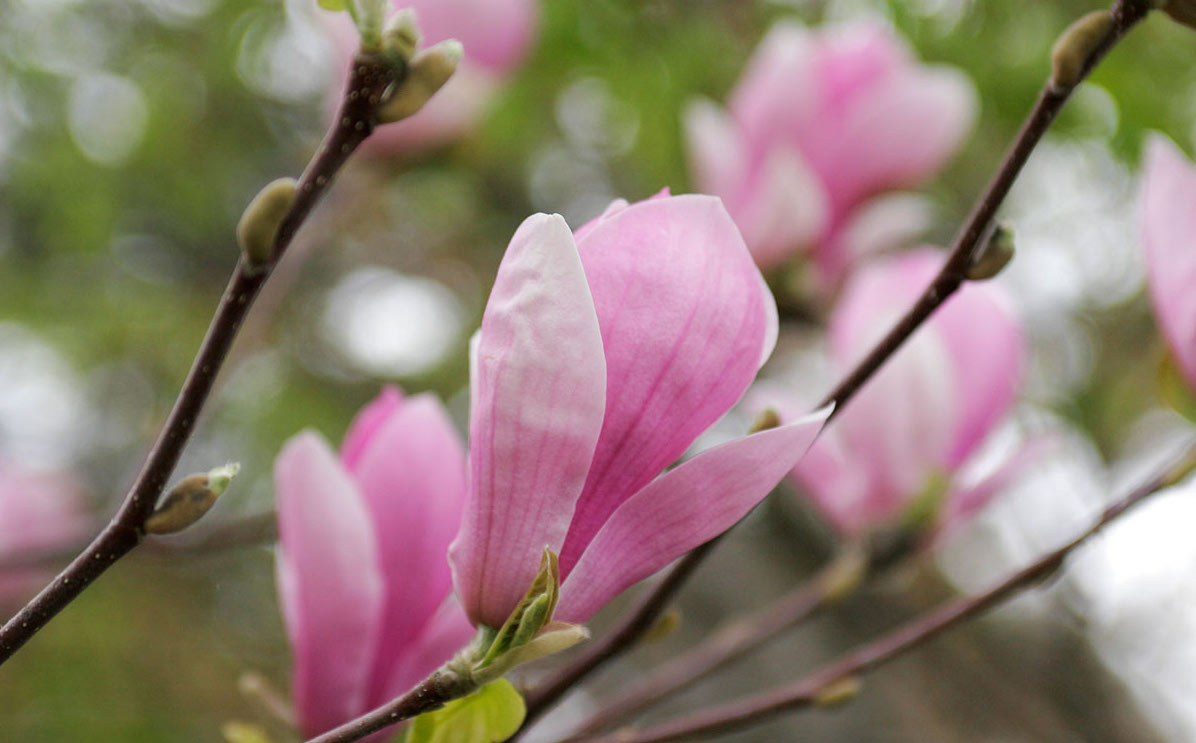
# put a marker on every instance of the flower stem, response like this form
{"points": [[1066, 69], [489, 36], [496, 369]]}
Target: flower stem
{"points": [[368, 79]]}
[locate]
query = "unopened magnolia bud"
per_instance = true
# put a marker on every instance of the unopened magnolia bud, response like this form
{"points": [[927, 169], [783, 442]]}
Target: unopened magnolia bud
{"points": [[427, 73], [188, 501], [994, 254], [401, 36], [1074, 47], [261, 219]]}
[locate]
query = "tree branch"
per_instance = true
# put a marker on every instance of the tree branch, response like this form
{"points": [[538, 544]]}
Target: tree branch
{"points": [[432, 693], [368, 79], [733, 639], [814, 688]]}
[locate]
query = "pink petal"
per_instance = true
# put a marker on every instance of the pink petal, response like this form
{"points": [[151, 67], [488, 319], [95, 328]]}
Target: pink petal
{"points": [[684, 318], [929, 407], [445, 632], [716, 150], [784, 209], [496, 34], [367, 422], [680, 510], [784, 61], [872, 228], [965, 502], [328, 581], [412, 475], [1167, 228], [539, 392], [898, 134]]}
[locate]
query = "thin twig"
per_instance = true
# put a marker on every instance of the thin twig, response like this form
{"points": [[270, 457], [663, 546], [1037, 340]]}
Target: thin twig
{"points": [[731, 640], [432, 693], [623, 637], [814, 688], [261, 528], [1125, 13], [369, 78]]}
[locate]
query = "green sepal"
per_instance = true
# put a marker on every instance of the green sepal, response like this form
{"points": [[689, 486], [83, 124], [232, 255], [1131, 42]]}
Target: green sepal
{"points": [[552, 639], [922, 512], [530, 615], [491, 714], [334, 5]]}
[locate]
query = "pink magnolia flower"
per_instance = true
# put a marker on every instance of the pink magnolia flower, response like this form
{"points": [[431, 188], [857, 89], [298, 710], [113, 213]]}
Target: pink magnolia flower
{"points": [[361, 568], [821, 123], [602, 355], [927, 410], [496, 34], [39, 512], [1167, 225]]}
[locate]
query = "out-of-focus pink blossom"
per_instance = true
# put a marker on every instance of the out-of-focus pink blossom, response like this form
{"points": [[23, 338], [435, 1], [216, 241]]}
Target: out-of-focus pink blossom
{"points": [[820, 126], [602, 355], [1167, 226], [362, 575], [496, 35], [40, 512], [920, 418]]}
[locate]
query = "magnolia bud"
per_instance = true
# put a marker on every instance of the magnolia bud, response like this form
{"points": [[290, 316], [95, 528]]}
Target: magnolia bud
{"points": [[401, 36], [427, 72], [1071, 52], [188, 501], [994, 254], [261, 219]]}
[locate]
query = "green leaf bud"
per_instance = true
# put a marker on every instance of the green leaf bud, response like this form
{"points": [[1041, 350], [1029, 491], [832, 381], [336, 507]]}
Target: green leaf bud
{"points": [[189, 500], [1075, 45], [261, 219]]}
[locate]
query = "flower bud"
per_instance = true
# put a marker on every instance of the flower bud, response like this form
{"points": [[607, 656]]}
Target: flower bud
{"points": [[261, 219], [994, 254], [401, 36], [427, 72], [1076, 44], [189, 500]]}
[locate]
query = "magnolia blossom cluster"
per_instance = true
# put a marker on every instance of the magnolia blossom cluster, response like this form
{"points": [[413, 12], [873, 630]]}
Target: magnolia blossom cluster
{"points": [[821, 128], [602, 355], [915, 425], [496, 36]]}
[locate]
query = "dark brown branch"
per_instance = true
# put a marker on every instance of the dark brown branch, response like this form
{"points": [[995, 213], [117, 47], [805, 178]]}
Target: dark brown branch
{"points": [[432, 693], [1125, 13], [809, 691], [369, 78]]}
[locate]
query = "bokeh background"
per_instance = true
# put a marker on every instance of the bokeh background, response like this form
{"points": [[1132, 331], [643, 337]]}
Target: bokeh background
{"points": [[132, 134]]}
